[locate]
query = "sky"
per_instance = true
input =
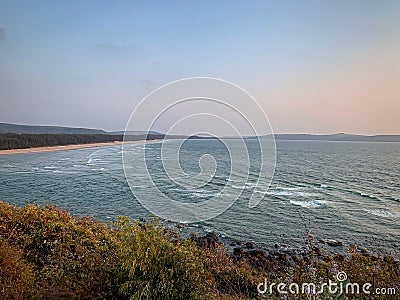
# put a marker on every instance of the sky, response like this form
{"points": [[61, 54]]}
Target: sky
{"points": [[314, 66]]}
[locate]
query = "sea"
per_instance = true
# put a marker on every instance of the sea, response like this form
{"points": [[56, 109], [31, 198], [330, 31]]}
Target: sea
{"points": [[347, 191]]}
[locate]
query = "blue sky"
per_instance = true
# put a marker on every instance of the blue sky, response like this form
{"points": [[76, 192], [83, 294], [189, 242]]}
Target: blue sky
{"points": [[315, 66]]}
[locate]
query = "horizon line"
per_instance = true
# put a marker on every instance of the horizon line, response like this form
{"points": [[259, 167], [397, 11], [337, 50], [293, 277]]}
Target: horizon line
{"points": [[279, 133]]}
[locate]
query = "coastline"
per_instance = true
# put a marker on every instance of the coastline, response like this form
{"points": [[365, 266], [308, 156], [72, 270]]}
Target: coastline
{"points": [[68, 147]]}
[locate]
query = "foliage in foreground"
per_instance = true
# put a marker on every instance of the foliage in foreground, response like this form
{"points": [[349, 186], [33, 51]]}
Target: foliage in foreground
{"points": [[45, 253]]}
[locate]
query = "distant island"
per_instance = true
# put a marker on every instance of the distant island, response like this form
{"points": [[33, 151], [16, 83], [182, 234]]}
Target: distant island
{"points": [[15, 136]]}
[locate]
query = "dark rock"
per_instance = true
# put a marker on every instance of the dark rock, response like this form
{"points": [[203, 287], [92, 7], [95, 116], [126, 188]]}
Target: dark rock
{"points": [[276, 245], [321, 241], [249, 245], [209, 241], [238, 251], [180, 225], [258, 259], [212, 236], [280, 256], [233, 243], [256, 253]]}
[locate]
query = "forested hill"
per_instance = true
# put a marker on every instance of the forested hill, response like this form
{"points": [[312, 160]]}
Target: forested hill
{"points": [[20, 141], [33, 129]]}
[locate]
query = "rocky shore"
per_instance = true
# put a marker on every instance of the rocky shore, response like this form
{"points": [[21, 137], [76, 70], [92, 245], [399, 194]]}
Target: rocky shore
{"points": [[281, 255]]}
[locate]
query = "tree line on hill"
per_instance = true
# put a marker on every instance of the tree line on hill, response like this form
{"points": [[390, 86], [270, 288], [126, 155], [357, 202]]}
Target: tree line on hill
{"points": [[19, 141]]}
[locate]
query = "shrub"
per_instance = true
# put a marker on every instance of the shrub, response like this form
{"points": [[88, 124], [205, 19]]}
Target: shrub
{"points": [[74, 256], [17, 277], [156, 266], [47, 253]]}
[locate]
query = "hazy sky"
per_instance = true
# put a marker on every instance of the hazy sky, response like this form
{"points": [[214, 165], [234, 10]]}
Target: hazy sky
{"points": [[314, 66]]}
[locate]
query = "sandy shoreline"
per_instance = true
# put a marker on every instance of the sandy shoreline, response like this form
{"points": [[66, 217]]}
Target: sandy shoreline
{"points": [[67, 147]]}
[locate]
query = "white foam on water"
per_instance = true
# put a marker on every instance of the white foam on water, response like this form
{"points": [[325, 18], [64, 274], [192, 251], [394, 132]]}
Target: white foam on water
{"points": [[240, 187], [366, 195], [203, 194], [63, 172], [291, 193], [199, 193], [91, 160], [384, 213], [247, 185], [308, 204], [260, 191], [280, 193], [290, 188], [101, 169]]}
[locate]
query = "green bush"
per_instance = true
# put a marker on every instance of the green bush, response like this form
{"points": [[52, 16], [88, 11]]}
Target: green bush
{"points": [[45, 253], [156, 266], [74, 256]]}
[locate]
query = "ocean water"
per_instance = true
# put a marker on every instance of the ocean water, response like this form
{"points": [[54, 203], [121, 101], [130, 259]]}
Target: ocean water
{"points": [[347, 191]]}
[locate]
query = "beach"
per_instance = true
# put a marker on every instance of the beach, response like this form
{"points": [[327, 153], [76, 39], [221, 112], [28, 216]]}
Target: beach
{"points": [[67, 147]]}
